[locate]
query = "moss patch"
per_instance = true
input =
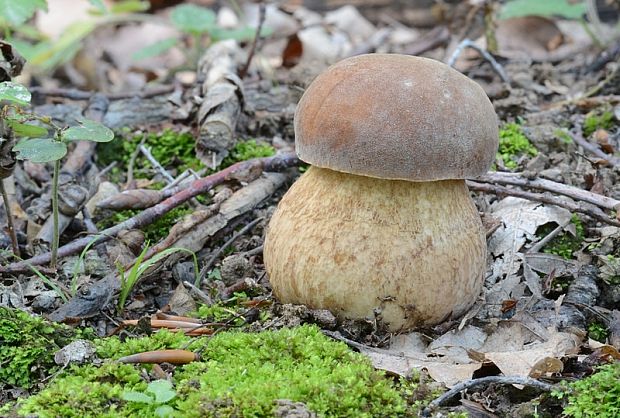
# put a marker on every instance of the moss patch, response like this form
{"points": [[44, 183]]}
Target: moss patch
{"points": [[27, 346], [240, 374], [595, 396], [564, 244], [153, 232], [173, 150], [246, 150], [513, 144], [597, 120]]}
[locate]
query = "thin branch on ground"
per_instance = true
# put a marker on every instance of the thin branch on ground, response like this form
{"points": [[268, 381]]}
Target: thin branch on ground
{"points": [[467, 43], [146, 217], [146, 151], [262, 11], [227, 244], [503, 380], [594, 149], [517, 179], [75, 94], [9, 219], [594, 212]]}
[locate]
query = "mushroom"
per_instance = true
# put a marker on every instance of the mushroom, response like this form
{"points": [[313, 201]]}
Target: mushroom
{"points": [[382, 224]]}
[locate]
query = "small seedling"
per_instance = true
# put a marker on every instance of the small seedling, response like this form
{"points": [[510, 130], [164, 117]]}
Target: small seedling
{"points": [[158, 392], [39, 148], [129, 280]]}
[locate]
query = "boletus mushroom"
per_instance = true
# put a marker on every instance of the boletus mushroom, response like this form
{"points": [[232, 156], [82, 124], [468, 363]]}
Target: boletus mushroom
{"points": [[382, 225]]}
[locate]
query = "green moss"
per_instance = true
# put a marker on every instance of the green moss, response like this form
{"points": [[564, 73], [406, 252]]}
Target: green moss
{"points": [[240, 374], [243, 374], [153, 232], [598, 332], [594, 121], [513, 144], [173, 150], [246, 150], [88, 391], [27, 346], [564, 244], [563, 136], [595, 396]]}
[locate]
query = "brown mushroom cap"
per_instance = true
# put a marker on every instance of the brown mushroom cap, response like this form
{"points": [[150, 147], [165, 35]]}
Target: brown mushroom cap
{"points": [[396, 117]]}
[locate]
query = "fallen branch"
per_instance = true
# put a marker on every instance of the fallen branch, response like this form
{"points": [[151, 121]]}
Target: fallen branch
{"points": [[75, 94], [517, 179], [146, 217], [593, 212], [504, 380], [594, 149]]}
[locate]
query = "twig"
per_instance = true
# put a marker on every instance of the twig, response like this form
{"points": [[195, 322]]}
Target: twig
{"points": [[147, 153], [132, 162], [261, 20], [220, 250], [593, 212], [594, 149], [197, 187], [467, 43], [202, 295], [9, 219], [74, 94], [504, 380], [517, 179], [540, 244]]}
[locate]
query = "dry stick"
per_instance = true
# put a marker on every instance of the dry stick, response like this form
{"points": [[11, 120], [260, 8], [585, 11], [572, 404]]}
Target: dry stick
{"points": [[593, 212], [220, 250], [75, 94], [9, 219], [467, 43], [580, 140], [147, 153], [261, 20], [504, 380], [517, 179], [197, 187]]}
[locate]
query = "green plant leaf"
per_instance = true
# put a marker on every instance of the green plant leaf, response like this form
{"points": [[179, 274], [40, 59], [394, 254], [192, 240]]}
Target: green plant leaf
{"points": [[164, 411], [547, 8], [130, 6], [192, 18], [155, 49], [17, 12], [14, 92], [51, 54], [89, 130], [132, 396], [162, 389], [99, 6], [40, 150], [26, 130]]}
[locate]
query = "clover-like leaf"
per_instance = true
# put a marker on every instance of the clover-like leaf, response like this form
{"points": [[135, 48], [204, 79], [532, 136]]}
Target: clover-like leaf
{"points": [[162, 389], [89, 130], [192, 18], [26, 130], [132, 396], [14, 92], [40, 150]]}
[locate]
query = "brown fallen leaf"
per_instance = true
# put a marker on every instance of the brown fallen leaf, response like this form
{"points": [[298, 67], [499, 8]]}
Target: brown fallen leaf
{"points": [[161, 356]]}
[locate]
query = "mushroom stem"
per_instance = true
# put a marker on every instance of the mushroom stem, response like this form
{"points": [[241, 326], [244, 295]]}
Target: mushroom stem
{"points": [[413, 252]]}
